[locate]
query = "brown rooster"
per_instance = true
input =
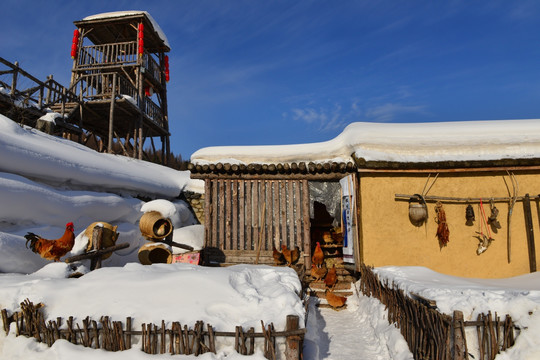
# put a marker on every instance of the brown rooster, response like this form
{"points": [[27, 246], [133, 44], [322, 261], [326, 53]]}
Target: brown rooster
{"points": [[318, 273], [52, 249], [331, 278], [334, 300], [279, 259], [318, 256]]}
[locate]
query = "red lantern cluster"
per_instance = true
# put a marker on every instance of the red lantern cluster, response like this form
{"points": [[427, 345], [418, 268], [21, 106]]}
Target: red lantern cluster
{"points": [[166, 60], [141, 39], [75, 44]]}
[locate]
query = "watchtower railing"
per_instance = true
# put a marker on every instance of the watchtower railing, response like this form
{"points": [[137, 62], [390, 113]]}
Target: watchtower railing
{"points": [[117, 54], [98, 86], [41, 95], [153, 112], [107, 55]]}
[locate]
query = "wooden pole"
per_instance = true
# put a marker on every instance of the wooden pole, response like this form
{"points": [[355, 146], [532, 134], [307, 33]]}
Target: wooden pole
{"points": [[459, 338], [111, 115], [97, 237], [306, 224], [530, 232], [259, 239], [293, 342]]}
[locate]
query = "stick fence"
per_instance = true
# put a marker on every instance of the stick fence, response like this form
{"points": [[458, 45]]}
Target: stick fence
{"points": [[178, 339], [433, 335]]}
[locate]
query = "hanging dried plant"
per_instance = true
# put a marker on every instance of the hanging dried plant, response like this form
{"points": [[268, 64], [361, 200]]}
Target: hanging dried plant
{"points": [[443, 232], [469, 215]]}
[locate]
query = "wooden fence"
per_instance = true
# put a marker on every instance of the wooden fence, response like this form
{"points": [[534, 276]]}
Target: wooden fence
{"points": [[247, 215], [433, 335], [178, 339]]}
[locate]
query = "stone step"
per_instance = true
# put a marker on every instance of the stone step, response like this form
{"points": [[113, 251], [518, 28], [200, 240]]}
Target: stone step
{"points": [[320, 285], [321, 294]]}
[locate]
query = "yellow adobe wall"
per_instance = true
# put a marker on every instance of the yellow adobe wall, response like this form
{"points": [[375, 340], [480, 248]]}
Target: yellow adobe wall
{"points": [[387, 237]]}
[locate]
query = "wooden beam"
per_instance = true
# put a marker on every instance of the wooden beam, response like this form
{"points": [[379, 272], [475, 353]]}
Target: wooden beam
{"points": [[530, 233], [111, 115]]}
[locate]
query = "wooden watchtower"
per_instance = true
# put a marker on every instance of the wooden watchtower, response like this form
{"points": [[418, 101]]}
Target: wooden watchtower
{"points": [[120, 73]]}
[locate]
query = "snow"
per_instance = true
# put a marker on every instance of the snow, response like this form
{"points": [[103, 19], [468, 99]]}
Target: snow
{"points": [[115, 14], [46, 182], [517, 296], [404, 142]]}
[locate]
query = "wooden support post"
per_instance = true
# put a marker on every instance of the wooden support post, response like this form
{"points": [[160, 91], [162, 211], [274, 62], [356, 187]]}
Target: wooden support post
{"points": [[97, 237], [293, 343], [111, 115], [530, 233], [14, 81], [459, 336], [5, 321]]}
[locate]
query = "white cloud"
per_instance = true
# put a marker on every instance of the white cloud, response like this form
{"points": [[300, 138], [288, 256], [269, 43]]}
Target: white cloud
{"points": [[390, 111]]}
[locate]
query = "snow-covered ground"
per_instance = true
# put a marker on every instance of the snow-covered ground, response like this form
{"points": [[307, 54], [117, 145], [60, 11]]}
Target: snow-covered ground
{"points": [[46, 182]]}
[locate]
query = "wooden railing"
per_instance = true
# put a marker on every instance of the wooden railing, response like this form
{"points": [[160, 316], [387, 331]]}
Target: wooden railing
{"points": [[107, 55], [118, 54], [92, 87], [41, 95]]}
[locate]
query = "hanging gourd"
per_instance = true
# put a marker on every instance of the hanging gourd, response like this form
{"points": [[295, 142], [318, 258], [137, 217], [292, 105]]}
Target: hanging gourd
{"points": [[418, 213], [141, 39], [166, 61], [75, 44]]}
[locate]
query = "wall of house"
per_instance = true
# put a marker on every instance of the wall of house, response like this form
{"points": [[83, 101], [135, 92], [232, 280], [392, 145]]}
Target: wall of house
{"points": [[387, 237]]}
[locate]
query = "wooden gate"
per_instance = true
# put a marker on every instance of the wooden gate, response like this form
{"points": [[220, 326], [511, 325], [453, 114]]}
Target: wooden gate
{"points": [[243, 216]]}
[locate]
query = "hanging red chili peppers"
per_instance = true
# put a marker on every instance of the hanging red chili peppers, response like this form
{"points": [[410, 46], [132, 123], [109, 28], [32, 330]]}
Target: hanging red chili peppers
{"points": [[75, 44], [443, 232]]}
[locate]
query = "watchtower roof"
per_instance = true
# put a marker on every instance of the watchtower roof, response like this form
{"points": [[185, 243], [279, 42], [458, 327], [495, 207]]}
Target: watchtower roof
{"points": [[113, 27]]}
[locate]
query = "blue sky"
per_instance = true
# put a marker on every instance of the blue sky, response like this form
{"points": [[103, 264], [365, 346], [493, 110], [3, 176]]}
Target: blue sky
{"points": [[259, 72]]}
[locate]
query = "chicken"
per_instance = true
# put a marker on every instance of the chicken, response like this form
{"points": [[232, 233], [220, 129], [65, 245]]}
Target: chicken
{"points": [[279, 259], [318, 256], [334, 300], [286, 254], [291, 256], [52, 249], [331, 278], [318, 273], [295, 255]]}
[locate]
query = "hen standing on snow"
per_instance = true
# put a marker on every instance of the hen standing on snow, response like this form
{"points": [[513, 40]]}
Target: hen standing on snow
{"points": [[52, 249]]}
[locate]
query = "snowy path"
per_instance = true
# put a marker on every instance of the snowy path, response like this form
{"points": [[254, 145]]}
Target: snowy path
{"points": [[359, 332]]}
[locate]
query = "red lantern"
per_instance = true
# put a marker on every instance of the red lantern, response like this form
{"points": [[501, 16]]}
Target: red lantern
{"points": [[166, 59], [140, 39], [75, 44]]}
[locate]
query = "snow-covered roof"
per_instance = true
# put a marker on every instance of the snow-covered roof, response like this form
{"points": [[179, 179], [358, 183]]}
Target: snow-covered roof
{"points": [[120, 14], [397, 142]]}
